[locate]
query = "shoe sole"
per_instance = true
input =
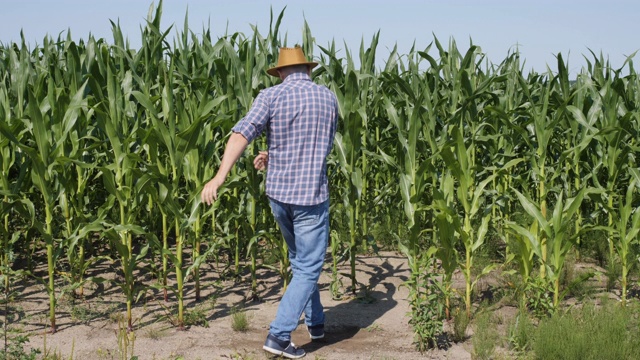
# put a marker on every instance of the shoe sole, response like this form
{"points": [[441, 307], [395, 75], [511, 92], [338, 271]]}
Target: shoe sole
{"points": [[316, 337], [281, 353]]}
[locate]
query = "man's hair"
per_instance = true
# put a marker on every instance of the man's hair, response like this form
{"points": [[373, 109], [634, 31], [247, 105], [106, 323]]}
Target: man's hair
{"points": [[295, 68]]}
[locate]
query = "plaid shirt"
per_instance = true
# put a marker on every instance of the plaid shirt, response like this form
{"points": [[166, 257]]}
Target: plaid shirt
{"points": [[300, 118]]}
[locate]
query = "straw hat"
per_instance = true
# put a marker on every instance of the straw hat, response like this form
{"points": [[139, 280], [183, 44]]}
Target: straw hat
{"points": [[289, 57]]}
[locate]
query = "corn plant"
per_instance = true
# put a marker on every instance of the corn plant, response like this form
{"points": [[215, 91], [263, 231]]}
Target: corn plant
{"points": [[471, 95], [446, 223], [53, 113], [193, 170], [11, 187], [121, 172], [148, 69], [626, 228], [178, 140], [554, 231], [246, 87], [349, 149], [471, 196], [614, 134], [543, 130], [413, 171]]}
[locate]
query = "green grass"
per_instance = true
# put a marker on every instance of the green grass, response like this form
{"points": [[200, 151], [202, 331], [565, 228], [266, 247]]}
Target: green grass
{"points": [[590, 332]]}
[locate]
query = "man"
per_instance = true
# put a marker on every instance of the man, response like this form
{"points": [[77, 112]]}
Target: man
{"points": [[300, 119]]}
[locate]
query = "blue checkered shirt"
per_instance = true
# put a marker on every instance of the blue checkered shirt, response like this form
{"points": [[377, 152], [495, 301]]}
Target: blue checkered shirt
{"points": [[300, 118]]}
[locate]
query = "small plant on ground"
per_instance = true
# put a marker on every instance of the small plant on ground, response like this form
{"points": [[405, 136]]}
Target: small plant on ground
{"points": [[126, 341], [155, 333], [427, 312], [85, 313], [364, 296], [460, 324], [521, 332], [484, 338], [198, 315], [14, 349], [539, 297], [14, 346], [239, 320], [116, 317], [55, 354], [239, 356], [373, 327], [613, 273]]}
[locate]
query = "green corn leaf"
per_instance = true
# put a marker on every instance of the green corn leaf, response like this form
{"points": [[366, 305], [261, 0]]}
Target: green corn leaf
{"points": [[478, 194], [532, 239], [482, 232], [558, 215], [533, 210], [405, 190]]}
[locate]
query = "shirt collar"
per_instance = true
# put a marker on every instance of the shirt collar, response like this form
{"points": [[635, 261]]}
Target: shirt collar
{"points": [[297, 76]]}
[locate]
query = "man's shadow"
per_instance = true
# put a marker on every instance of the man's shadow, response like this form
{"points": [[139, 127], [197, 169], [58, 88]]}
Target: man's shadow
{"points": [[359, 313]]}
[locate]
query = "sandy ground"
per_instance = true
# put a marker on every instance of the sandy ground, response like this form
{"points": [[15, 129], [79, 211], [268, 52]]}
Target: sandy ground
{"points": [[373, 325]]}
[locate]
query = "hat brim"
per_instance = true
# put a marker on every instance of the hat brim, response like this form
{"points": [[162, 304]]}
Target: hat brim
{"points": [[274, 70]]}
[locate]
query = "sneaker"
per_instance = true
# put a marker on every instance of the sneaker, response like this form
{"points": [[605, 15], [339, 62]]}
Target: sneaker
{"points": [[282, 348], [316, 331]]}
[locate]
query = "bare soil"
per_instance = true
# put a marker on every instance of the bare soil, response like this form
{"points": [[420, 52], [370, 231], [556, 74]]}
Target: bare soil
{"points": [[374, 324]]}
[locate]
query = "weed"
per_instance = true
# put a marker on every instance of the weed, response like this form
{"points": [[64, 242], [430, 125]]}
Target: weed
{"points": [[538, 297], [613, 273], [239, 320], [103, 354], [126, 341], [607, 332], [116, 317], [196, 316], [579, 287], [14, 349], [373, 327], [239, 356], [427, 311], [84, 313], [155, 333], [48, 354], [484, 338], [364, 296], [460, 324], [521, 332]]}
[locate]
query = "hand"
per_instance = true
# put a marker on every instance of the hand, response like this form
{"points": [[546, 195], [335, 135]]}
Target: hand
{"points": [[210, 191], [261, 161]]}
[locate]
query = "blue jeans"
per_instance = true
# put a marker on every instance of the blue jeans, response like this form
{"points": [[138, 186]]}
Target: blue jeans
{"points": [[306, 232]]}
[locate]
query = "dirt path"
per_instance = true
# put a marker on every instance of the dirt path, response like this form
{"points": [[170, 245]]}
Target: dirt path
{"points": [[373, 325]]}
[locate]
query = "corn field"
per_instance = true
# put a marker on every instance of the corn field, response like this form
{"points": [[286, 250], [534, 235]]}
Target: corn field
{"points": [[439, 153]]}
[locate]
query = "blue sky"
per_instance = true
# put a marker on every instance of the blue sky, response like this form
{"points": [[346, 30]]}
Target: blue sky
{"points": [[540, 29]]}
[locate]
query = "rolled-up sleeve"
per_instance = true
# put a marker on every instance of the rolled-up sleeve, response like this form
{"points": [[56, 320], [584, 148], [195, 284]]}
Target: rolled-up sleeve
{"points": [[254, 123]]}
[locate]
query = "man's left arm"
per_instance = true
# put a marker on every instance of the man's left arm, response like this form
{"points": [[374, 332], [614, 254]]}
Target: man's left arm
{"points": [[232, 152], [244, 132]]}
